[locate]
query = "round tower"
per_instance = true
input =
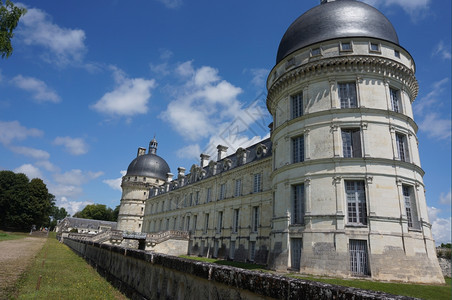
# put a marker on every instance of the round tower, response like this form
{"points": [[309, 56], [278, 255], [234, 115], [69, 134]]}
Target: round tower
{"points": [[348, 189], [145, 171]]}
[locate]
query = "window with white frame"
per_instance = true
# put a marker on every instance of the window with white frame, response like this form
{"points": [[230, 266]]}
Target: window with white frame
{"points": [[257, 186], [222, 191], [238, 188], [295, 252], [209, 195], [298, 204], [351, 142], [358, 257], [232, 250], [255, 219], [346, 46], [252, 250], [402, 147], [235, 221], [298, 149], [410, 207], [297, 105], [374, 47], [347, 94], [316, 51], [356, 202], [206, 223], [220, 221], [395, 99]]}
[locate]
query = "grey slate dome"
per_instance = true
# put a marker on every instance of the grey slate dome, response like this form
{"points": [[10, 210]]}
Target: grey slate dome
{"points": [[336, 19], [149, 165]]}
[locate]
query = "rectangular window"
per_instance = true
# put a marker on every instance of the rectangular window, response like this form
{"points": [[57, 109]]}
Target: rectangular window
{"points": [[195, 221], [374, 47], [255, 219], [252, 250], [188, 224], [297, 105], [203, 245], [347, 94], [351, 142], [295, 253], [298, 149], [315, 52], [191, 199], [174, 223], [346, 46], [167, 224], [222, 191], [216, 245], [298, 204], [358, 257], [235, 221], [197, 198], [396, 53], [410, 207], [206, 223], [356, 202], [395, 99], [208, 195], [257, 183], [238, 188], [220, 221], [232, 250], [402, 147], [163, 206]]}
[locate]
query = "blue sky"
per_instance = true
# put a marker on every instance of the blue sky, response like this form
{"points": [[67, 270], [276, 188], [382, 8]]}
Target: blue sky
{"points": [[91, 81]]}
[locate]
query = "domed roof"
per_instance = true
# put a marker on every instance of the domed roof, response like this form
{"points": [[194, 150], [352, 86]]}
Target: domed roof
{"points": [[149, 165], [336, 19]]}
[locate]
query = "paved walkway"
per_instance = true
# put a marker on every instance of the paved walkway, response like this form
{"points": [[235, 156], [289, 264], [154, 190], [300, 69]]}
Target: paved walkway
{"points": [[15, 256]]}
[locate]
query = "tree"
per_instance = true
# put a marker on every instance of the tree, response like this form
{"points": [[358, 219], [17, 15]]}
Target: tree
{"points": [[22, 202], [9, 18], [96, 212]]}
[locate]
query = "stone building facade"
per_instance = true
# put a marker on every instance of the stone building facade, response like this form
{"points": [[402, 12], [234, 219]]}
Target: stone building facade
{"points": [[337, 189]]}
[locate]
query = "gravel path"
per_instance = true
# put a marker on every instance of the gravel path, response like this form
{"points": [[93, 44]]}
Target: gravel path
{"points": [[15, 256]]}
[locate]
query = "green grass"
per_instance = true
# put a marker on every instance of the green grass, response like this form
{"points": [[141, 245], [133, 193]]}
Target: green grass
{"points": [[64, 275], [6, 236], [436, 292]]}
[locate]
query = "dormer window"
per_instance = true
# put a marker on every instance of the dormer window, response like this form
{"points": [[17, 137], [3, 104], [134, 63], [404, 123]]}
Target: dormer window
{"points": [[346, 46], [397, 53], [374, 47], [315, 52]]}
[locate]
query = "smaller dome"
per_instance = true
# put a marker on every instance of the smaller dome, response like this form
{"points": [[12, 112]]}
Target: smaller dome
{"points": [[149, 165]]}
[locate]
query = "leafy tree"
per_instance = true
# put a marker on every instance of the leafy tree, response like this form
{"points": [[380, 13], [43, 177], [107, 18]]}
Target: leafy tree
{"points": [[96, 212], [9, 18], [57, 214], [116, 213], [23, 202]]}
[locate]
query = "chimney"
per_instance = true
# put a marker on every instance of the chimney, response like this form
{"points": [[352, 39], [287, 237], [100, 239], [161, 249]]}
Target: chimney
{"points": [[221, 152], [169, 177], [141, 151], [204, 160]]}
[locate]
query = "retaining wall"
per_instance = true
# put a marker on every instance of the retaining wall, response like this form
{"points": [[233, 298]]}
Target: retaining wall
{"points": [[147, 275]]}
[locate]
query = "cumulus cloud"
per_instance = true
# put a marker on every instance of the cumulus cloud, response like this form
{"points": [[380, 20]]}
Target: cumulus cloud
{"points": [[76, 177], [442, 50], [32, 152], [435, 126], [441, 227], [259, 77], [116, 182], [29, 170], [60, 45], [39, 89], [47, 165], [13, 131], [415, 8], [445, 198], [72, 206], [171, 3], [130, 96], [75, 146]]}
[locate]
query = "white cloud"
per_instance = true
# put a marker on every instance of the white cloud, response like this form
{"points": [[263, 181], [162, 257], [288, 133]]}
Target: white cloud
{"points": [[171, 3], [431, 99], [10, 131], [47, 165], [259, 77], [62, 45], [185, 69], [32, 152], [38, 88], [190, 152], [72, 206], [445, 198], [436, 127], [29, 170], [115, 183], [415, 8], [76, 177], [442, 50], [130, 96], [75, 146], [441, 227]]}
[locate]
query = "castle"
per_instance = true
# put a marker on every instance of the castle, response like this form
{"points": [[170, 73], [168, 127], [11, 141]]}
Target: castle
{"points": [[336, 190]]}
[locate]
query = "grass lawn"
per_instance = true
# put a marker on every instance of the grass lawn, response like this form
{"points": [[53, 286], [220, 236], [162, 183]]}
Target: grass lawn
{"points": [[436, 292], [64, 275], [5, 236]]}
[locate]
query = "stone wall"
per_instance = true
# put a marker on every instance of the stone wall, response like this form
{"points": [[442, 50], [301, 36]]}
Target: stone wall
{"points": [[145, 275]]}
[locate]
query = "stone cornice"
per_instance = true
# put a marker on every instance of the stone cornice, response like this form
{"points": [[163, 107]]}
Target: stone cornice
{"points": [[358, 64]]}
